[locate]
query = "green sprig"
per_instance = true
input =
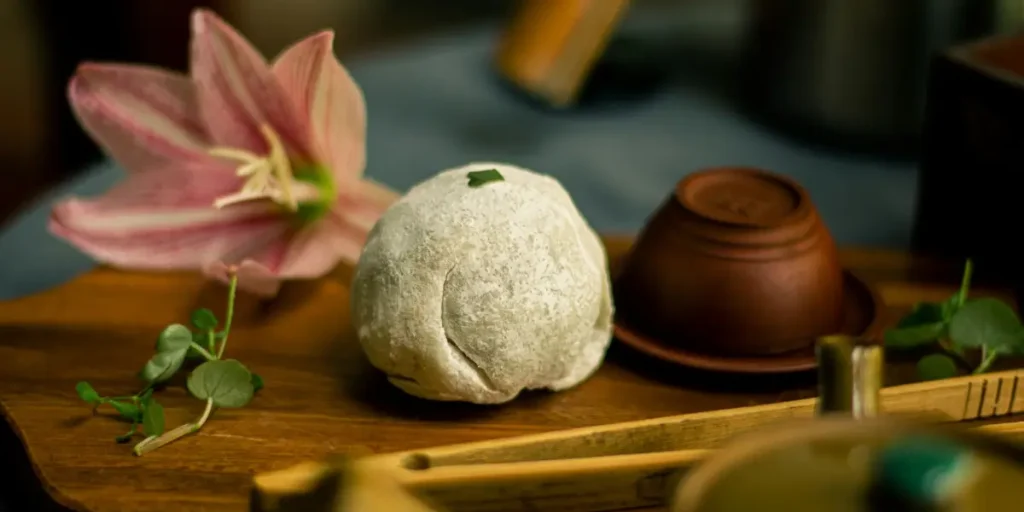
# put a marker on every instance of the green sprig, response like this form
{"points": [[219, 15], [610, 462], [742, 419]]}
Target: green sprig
{"points": [[957, 327], [480, 178], [218, 382]]}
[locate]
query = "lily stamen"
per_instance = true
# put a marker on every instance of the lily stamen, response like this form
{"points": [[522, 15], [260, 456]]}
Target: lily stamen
{"points": [[268, 176]]}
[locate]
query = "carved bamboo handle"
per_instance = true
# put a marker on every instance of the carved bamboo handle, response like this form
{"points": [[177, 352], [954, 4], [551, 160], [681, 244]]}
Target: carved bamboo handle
{"points": [[631, 464], [974, 397]]}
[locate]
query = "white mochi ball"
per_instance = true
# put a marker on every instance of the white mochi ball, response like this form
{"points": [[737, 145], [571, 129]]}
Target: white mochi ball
{"points": [[476, 293]]}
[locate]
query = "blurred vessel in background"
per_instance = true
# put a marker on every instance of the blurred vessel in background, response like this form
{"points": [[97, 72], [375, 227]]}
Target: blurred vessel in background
{"points": [[856, 71]]}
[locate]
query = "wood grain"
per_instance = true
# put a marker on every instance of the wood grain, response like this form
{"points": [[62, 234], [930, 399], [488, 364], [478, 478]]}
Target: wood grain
{"points": [[321, 395]]}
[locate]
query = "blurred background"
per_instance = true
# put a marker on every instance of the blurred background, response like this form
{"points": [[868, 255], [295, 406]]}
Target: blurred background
{"points": [[616, 99]]}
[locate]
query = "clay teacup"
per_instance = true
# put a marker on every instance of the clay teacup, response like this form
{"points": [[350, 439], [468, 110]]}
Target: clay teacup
{"points": [[736, 263]]}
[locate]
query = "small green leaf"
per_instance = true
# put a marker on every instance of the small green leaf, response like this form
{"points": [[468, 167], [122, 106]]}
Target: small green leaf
{"points": [[163, 365], [936, 366], [989, 323], [201, 338], [152, 418], [122, 439], [949, 307], [479, 178], [257, 383], [227, 382], [174, 338], [204, 319], [923, 313], [129, 411], [918, 335], [87, 393]]}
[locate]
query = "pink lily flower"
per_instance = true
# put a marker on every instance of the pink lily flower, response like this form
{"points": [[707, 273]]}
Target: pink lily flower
{"points": [[241, 164]]}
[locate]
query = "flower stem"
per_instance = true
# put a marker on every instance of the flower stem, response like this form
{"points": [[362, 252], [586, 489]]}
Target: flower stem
{"points": [[232, 288], [153, 442], [987, 358], [211, 341]]}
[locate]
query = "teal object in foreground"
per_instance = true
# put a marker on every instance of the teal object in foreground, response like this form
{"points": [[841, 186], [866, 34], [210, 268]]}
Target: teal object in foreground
{"points": [[922, 473]]}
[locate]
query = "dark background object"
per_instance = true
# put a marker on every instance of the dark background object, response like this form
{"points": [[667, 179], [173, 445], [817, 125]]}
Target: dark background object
{"points": [[853, 72], [113, 30], [969, 202]]}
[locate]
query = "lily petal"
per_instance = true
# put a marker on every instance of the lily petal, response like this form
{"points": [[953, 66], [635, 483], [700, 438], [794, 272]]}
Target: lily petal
{"points": [[360, 206], [305, 254], [314, 250], [338, 237], [237, 92], [308, 253], [317, 249], [325, 92], [163, 221], [252, 277], [142, 116]]}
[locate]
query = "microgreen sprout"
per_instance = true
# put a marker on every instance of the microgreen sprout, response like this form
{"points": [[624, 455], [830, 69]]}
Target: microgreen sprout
{"points": [[957, 327], [217, 381]]}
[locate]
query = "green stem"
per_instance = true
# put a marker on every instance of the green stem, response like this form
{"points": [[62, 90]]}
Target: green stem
{"points": [[202, 351], [987, 358], [153, 442], [211, 340], [232, 288], [965, 283], [127, 436], [133, 398]]}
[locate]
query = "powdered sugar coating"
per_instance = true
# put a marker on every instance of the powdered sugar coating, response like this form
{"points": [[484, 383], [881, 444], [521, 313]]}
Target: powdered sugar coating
{"points": [[476, 293]]}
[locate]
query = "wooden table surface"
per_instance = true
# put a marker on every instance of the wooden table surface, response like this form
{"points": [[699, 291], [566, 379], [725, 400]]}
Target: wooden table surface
{"points": [[321, 395]]}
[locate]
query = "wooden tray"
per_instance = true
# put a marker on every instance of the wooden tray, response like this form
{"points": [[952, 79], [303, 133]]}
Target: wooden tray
{"points": [[321, 395]]}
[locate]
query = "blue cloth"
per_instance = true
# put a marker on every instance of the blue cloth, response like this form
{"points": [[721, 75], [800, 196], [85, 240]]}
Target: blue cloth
{"points": [[437, 105]]}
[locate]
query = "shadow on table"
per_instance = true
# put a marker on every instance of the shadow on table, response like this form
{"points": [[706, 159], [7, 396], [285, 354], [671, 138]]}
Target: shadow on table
{"points": [[790, 386], [372, 389], [21, 486]]}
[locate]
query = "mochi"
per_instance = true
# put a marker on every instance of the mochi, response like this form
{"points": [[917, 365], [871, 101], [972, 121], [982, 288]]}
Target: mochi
{"points": [[474, 292]]}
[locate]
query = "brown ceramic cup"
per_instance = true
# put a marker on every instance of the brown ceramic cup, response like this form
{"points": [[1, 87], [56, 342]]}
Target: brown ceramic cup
{"points": [[736, 262]]}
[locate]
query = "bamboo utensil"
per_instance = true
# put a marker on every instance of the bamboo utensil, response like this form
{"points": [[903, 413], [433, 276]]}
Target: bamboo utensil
{"points": [[975, 397], [339, 485], [834, 464], [849, 376], [635, 464], [575, 485]]}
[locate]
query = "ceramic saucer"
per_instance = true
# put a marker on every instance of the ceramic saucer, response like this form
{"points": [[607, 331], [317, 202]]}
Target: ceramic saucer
{"points": [[860, 318]]}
